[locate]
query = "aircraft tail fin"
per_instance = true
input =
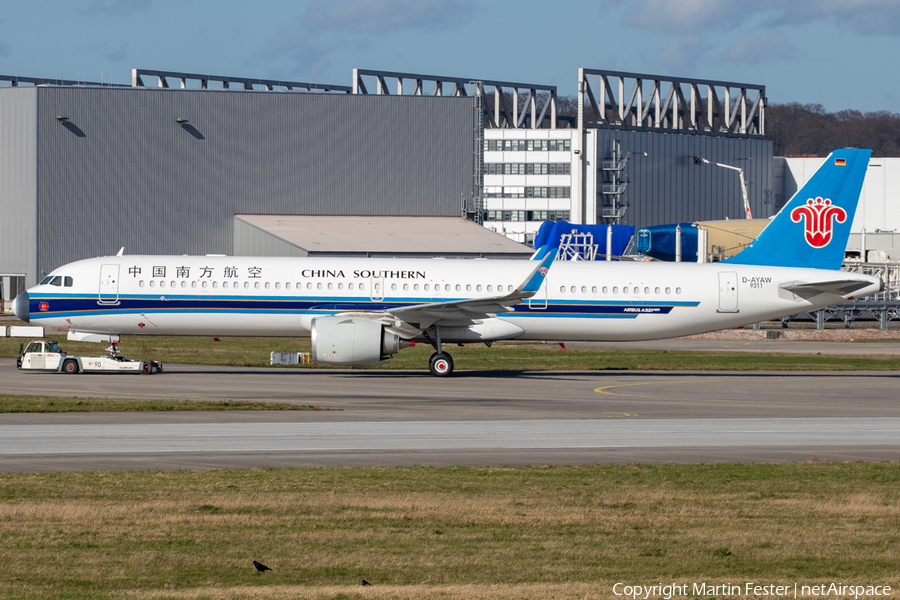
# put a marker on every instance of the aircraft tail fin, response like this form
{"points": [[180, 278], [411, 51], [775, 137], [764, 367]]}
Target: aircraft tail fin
{"points": [[812, 229]]}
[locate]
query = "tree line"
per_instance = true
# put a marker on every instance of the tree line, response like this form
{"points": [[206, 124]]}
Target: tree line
{"points": [[808, 129]]}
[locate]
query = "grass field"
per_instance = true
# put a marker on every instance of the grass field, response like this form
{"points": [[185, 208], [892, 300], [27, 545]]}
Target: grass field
{"points": [[12, 403], [505, 356], [531, 532]]}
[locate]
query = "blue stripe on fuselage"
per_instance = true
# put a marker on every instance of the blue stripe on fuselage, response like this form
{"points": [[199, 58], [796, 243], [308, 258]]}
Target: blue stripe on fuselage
{"points": [[76, 306]]}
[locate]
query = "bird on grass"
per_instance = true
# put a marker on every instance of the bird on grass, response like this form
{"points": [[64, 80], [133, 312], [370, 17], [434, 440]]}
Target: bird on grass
{"points": [[260, 567], [364, 582]]}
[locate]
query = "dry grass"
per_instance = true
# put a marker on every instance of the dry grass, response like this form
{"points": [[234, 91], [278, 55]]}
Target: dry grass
{"points": [[557, 532]]}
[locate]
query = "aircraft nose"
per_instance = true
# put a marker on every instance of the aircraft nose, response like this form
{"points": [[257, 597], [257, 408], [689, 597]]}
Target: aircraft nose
{"points": [[20, 307]]}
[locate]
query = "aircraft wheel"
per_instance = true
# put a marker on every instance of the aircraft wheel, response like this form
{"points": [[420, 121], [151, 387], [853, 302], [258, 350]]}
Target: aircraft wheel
{"points": [[146, 368], [70, 367], [440, 365]]}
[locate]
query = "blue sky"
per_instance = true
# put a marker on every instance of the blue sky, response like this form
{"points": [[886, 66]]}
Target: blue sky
{"points": [[838, 53]]}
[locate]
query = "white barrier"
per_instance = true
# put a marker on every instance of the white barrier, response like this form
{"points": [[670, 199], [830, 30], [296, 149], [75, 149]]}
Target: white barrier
{"points": [[21, 331]]}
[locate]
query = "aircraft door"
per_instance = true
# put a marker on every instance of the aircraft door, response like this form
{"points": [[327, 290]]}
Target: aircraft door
{"points": [[109, 284], [728, 292], [539, 300]]}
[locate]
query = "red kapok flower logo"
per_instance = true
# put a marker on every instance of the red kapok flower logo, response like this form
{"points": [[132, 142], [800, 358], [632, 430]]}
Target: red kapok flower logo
{"points": [[818, 216]]}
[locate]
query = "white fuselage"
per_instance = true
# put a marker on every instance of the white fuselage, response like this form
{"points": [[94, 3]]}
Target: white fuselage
{"points": [[265, 296]]}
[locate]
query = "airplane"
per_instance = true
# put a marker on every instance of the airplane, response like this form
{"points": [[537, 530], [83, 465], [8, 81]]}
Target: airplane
{"points": [[361, 311]]}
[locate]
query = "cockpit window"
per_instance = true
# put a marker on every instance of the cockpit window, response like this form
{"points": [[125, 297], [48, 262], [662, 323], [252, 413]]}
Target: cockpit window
{"points": [[46, 280], [67, 281], [53, 347], [57, 281]]}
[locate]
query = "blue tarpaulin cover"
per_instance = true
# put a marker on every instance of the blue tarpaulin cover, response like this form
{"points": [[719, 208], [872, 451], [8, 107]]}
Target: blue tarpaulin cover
{"points": [[551, 231], [659, 241]]}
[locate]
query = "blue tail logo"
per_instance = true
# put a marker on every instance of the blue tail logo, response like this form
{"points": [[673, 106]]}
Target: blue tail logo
{"points": [[813, 227]]}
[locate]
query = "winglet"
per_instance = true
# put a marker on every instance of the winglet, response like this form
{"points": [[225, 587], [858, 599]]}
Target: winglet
{"points": [[532, 284]]}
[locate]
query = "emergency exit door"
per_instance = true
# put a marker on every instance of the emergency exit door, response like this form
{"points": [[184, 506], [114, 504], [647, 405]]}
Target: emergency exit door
{"points": [[109, 284], [728, 292]]}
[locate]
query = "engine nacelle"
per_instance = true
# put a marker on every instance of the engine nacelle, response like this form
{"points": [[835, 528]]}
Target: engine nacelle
{"points": [[352, 341]]}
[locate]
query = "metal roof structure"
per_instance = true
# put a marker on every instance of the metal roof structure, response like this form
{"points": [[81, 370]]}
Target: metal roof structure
{"points": [[319, 235]]}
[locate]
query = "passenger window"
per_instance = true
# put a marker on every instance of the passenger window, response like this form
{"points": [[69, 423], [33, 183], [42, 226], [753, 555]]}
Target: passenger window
{"points": [[193, 284], [204, 284], [668, 290], [416, 287], [340, 286], [308, 285], [268, 285], [615, 289], [330, 286], [594, 289], [478, 288], [215, 284], [447, 287], [656, 291], [68, 282], [458, 287], [678, 290], [605, 290], [184, 284], [277, 285], [427, 287], [584, 289], [256, 285], [141, 283], [625, 290], [646, 290], [572, 289], [562, 289], [162, 284], [349, 286], [362, 286], [225, 285], [153, 283], [319, 286], [405, 287], [393, 287], [509, 288]]}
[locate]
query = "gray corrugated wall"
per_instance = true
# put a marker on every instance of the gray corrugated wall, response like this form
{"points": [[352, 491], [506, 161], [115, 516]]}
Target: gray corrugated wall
{"points": [[18, 177], [122, 172], [667, 187]]}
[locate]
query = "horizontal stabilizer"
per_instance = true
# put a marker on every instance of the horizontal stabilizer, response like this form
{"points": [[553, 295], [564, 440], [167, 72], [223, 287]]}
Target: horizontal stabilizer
{"points": [[840, 287]]}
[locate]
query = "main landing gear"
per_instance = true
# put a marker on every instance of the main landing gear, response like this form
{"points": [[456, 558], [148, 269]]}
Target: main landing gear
{"points": [[440, 364]]}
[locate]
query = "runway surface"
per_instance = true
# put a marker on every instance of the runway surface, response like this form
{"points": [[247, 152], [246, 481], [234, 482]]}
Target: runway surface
{"points": [[473, 418]]}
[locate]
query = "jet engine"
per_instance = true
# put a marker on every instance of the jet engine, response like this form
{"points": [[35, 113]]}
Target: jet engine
{"points": [[353, 341]]}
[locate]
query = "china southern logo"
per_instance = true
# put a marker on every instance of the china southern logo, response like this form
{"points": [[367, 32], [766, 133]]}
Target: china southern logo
{"points": [[818, 216], [543, 271]]}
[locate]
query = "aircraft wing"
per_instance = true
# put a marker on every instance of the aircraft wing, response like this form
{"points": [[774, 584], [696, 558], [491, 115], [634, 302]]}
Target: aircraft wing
{"points": [[426, 315], [838, 287]]}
